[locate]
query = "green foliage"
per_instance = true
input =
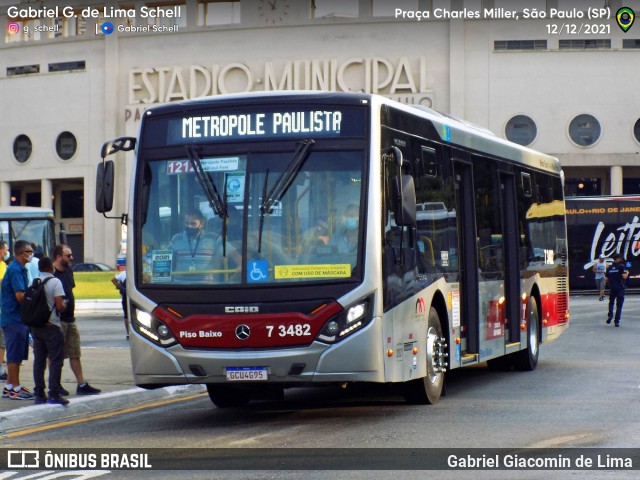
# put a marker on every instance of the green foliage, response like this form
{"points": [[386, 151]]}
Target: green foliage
{"points": [[90, 285]]}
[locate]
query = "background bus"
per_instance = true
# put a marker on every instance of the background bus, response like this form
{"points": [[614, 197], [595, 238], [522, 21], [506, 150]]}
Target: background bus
{"points": [[346, 238], [33, 224], [602, 225]]}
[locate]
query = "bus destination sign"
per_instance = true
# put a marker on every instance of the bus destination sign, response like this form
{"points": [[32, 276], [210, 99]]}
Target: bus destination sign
{"points": [[263, 124], [273, 124]]}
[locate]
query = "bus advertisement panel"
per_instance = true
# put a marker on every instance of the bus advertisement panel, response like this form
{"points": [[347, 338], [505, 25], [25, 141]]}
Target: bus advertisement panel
{"points": [[603, 225]]}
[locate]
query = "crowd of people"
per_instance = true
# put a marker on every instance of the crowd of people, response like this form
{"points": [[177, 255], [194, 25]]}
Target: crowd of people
{"points": [[58, 339]]}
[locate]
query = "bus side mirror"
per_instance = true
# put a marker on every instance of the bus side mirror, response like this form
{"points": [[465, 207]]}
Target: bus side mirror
{"points": [[404, 205], [104, 187]]}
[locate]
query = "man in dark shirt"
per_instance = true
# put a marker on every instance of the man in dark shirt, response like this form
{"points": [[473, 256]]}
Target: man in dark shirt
{"points": [[62, 263], [616, 276]]}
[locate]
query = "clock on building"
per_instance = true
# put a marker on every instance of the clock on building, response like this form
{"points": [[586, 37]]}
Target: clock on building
{"points": [[273, 12]]}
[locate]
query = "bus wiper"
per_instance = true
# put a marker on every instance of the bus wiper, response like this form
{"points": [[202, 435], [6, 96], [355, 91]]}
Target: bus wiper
{"points": [[218, 204], [282, 184]]}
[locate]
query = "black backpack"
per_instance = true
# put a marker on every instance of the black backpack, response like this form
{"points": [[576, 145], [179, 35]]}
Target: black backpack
{"points": [[34, 308]]}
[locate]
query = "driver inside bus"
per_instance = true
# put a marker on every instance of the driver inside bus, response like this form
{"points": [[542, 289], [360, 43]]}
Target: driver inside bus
{"points": [[198, 255]]}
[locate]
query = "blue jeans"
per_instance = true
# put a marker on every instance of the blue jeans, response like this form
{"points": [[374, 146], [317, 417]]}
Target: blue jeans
{"points": [[616, 295], [48, 341]]}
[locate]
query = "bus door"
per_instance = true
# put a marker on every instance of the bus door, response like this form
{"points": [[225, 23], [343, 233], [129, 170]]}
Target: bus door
{"points": [[468, 259], [511, 255]]}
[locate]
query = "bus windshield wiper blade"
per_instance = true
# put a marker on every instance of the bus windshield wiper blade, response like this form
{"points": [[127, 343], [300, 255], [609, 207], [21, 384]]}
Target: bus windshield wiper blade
{"points": [[282, 184], [218, 203], [286, 178]]}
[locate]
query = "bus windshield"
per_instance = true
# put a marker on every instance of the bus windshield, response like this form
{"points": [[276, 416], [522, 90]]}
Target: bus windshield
{"points": [[260, 217], [34, 231]]}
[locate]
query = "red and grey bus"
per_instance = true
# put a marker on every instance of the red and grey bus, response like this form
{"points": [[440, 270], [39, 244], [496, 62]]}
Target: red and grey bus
{"points": [[444, 265]]}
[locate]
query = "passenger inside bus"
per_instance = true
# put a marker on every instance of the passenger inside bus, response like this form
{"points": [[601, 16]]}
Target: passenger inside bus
{"points": [[346, 240]]}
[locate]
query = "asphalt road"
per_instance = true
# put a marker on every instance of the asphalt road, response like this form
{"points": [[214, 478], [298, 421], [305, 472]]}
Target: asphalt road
{"points": [[584, 393]]}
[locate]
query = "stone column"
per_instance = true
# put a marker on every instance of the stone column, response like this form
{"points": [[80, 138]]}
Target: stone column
{"points": [[616, 180], [5, 194], [46, 191]]}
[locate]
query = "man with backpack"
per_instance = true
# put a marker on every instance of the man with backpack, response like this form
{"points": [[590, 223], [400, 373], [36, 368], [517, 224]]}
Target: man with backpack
{"points": [[16, 333], [48, 339]]}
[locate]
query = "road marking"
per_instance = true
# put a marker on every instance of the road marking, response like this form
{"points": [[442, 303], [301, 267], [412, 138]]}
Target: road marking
{"points": [[101, 416]]}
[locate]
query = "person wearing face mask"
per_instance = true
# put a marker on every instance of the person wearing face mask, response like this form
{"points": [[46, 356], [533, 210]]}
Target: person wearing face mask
{"points": [[16, 333], [347, 238], [196, 253], [4, 256]]}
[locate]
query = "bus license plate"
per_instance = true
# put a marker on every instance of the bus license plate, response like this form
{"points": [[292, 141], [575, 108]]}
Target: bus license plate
{"points": [[246, 374]]}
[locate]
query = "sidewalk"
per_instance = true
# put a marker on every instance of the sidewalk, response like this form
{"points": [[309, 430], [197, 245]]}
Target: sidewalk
{"points": [[108, 369]]}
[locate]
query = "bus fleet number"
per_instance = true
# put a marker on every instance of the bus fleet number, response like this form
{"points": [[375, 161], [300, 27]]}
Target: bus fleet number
{"points": [[298, 330]]}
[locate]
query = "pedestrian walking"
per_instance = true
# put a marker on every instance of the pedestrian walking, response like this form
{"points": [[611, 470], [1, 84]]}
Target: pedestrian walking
{"points": [[48, 340], [63, 258], [616, 275], [600, 269], [16, 333]]}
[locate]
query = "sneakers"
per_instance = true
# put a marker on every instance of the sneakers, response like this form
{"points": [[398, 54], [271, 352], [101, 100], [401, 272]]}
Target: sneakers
{"points": [[602, 298], [22, 394], [6, 392], [617, 324], [57, 400], [609, 321], [39, 400], [86, 389], [3, 376], [63, 392]]}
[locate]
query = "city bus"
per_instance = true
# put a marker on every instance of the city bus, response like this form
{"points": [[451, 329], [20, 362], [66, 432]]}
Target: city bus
{"points": [[348, 238], [33, 224], [603, 225]]}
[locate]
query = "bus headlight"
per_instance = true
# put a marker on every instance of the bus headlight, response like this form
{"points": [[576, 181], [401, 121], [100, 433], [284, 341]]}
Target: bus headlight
{"points": [[151, 328], [350, 320]]}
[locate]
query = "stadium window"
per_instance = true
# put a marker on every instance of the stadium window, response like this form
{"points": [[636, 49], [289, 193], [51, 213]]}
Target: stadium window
{"points": [[521, 130], [584, 130], [22, 148]]}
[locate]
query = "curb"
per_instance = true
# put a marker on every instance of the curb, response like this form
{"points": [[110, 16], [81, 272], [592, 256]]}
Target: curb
{"points": [[34, 415], [95, 306]]}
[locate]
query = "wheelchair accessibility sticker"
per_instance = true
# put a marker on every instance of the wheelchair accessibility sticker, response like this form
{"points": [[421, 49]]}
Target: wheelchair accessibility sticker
{"points": [[258, 271]]}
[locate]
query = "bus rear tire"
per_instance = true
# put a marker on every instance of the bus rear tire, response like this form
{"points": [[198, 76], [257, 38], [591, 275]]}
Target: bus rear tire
{"points": [[227, 396], [427, 390], [527, 360]]}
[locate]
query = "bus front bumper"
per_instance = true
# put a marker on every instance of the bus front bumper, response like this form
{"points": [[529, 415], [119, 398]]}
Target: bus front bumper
{"points": [[358, 358]]}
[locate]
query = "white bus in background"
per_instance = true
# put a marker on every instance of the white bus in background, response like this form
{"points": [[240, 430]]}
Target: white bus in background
{"points": [[33, 224]]}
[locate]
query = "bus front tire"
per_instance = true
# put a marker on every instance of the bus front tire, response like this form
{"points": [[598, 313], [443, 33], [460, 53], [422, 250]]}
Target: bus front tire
{"points": [[427, 390], [228, 396]]}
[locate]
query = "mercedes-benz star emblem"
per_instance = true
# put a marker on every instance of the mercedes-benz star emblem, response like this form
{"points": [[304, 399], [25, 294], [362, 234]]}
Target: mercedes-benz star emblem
{"points": [[243, 331]]}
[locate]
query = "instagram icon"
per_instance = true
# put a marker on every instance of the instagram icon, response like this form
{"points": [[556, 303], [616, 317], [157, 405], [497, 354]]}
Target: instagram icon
{"points": [[13, 28]]}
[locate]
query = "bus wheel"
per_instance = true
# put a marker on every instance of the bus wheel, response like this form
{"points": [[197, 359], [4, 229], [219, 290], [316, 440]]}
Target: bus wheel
{"points": [[427, 390], [225, 396], [527, 360]]}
